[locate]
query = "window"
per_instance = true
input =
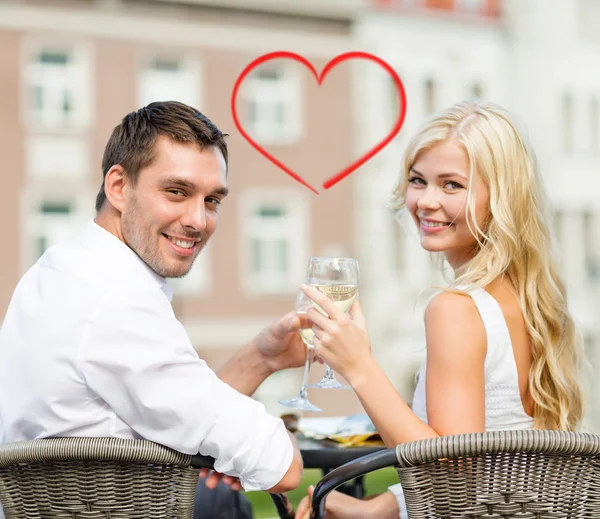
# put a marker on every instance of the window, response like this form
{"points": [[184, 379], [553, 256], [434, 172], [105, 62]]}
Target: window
{"points": [[45, 157], [393, 104], [273, 104], [557, 223], [567, 123], [399, 245], [589, 343], [270, 250], [53, 223], [168, 78], [430, 97], [57, 87], [591, 230], [595, 125], [275, 244], [197, 281]]}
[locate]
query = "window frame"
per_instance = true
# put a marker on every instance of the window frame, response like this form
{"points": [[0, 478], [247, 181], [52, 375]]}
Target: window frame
{"points": [[254, 90], [33, 225], [295, 231], [79, 78], [190, 64]]}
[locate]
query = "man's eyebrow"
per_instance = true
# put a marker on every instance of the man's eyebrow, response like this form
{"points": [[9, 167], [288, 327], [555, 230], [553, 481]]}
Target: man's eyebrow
{"points": [[223, 191], [176, 181], [179, 182], [441, 175]]}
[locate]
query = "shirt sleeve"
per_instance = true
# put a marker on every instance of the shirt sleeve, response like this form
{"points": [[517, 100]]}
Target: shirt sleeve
{"points": [[399, 495], [138, 358]]}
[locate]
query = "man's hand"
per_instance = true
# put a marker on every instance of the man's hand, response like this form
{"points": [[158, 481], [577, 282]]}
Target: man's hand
{"points": [[213, 478], [276, 347], [280, 345]]}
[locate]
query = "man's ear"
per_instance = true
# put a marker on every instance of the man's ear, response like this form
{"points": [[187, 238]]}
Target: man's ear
{"points": [[116, 184]]}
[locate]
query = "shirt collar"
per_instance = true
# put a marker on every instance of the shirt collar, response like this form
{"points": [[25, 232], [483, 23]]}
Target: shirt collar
{"points": [[128, 263]]}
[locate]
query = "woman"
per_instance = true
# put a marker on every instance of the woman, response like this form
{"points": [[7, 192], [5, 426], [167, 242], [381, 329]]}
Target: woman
{"points": [[502, 349]]}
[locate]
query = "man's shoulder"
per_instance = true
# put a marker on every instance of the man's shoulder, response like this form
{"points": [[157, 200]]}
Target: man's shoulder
{"points": [[89, 284], [72, 265], [84, 267], [64, 274]]}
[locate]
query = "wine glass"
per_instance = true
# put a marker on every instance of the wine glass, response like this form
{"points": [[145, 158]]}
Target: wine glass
{"points": [[301, 402], [337, 278]]}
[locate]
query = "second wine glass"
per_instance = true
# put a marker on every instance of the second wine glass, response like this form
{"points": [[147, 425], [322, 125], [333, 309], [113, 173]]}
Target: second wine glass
{"points": [[301, 401], [338, 279]]}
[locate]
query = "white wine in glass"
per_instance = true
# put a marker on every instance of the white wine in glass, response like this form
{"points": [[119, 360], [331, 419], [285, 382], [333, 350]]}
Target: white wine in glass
{"points": [[337, 278], [342, 295]]}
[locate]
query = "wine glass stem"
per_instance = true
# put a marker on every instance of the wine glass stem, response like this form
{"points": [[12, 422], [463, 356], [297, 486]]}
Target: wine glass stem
{"points": [[307, 366], [329, 374]]}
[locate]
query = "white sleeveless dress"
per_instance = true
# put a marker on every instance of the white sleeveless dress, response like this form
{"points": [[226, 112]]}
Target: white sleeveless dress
{"points": [[503, 406]]}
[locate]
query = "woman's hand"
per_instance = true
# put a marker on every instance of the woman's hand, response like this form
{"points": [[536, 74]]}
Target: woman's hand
{"points": [[340, 339], [342, 506], [337, 506]]}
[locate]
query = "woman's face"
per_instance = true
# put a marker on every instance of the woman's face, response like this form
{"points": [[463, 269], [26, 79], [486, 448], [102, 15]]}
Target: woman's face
{"points": [[437, 200]]}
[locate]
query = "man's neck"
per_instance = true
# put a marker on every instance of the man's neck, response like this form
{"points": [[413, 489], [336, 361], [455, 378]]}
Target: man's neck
{"points": [[110, 220]]}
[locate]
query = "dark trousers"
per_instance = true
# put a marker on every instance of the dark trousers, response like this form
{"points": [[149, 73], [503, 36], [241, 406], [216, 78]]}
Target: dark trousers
{"points": [[220, 503]]}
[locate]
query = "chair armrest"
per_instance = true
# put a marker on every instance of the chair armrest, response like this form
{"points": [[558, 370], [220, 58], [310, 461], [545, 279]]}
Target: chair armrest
{"points": [[347, 472], [281, 501], [202, 462]]}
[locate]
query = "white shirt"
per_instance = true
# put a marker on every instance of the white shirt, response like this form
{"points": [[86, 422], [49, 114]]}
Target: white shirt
{"points": [[90, 347]]}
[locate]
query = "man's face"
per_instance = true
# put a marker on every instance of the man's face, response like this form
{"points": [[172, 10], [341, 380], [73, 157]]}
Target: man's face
{"points": [[173, 209]]}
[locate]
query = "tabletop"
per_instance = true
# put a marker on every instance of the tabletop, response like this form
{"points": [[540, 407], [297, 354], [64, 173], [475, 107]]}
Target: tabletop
{"points": [[328, 454]]}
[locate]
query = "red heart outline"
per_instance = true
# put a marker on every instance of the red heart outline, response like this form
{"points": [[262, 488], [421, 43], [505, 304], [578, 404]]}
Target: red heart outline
{"points": [[330, 182]]}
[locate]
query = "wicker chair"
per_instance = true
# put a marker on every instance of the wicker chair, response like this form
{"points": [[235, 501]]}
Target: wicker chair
{"points": [[494, 475], [100, 478]]}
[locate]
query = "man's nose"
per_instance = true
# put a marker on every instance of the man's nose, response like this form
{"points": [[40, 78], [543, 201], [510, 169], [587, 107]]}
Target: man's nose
{"points": [[195, 217]]}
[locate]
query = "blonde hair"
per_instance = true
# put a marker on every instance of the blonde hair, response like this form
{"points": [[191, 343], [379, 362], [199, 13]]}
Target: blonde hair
{"points": [[515, 242]]}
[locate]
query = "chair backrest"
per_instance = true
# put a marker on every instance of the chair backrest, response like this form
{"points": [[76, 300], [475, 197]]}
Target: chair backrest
{"points": [[95, 478], [503, 475]]}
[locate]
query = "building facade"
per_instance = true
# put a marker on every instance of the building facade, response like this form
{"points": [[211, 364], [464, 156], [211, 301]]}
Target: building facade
{"points": [[72, 69], [540, 60]]}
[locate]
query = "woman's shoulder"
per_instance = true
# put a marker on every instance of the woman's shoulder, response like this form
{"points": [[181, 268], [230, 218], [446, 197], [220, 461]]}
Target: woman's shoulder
{"points": [[455, 334], [473, 308], [453, 314], [456, 304]]}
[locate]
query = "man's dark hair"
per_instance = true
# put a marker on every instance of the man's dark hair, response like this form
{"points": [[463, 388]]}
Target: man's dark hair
{"points": [[132, 143]]}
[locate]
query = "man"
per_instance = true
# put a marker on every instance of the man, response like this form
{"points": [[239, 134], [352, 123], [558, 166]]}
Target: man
{"points": [[90, 345]]}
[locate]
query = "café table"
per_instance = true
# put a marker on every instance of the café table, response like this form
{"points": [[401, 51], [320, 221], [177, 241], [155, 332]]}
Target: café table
{"points": [[328, 455]]}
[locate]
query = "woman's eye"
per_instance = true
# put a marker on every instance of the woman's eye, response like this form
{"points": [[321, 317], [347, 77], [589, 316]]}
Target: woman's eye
{"points": [[416, 180], [453, 185]]}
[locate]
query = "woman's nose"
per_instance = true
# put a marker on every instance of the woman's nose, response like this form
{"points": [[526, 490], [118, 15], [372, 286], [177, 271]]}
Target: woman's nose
{"points": [[429, 199]]}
